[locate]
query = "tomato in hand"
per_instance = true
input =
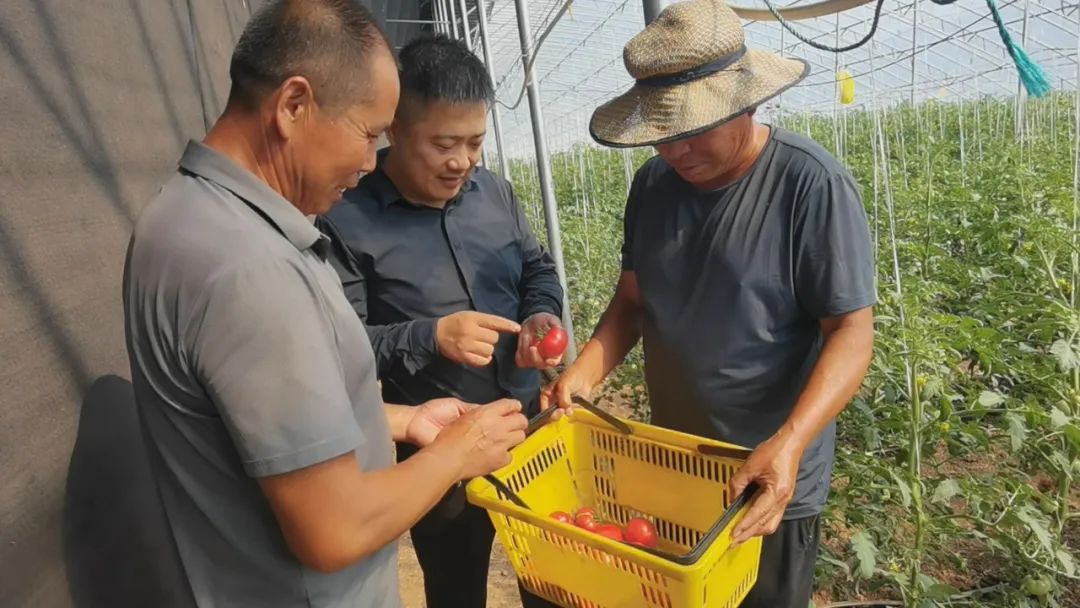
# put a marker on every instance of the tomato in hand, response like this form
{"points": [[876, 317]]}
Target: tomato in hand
{"points": [[553, 344], [641, 532]]}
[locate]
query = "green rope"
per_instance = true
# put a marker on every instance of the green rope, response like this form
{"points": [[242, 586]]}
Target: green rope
{"points": [[1031, 75]]}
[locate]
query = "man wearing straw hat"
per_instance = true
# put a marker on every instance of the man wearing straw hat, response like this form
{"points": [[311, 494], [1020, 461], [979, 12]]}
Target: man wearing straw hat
{"points": [[747, 272]]}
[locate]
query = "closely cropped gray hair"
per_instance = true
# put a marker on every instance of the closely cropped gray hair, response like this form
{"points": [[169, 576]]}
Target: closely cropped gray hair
{"points": [[329, 42]]}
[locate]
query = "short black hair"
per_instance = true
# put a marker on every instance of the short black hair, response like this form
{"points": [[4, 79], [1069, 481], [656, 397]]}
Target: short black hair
{"points": [[329, 42], [438, 68]]}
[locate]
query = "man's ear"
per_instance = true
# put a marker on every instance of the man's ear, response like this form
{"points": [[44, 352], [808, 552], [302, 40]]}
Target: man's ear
{"points": [[293, 103]]}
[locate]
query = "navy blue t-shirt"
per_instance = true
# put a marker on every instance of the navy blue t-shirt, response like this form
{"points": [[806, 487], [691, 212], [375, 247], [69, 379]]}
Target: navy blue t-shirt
{"points": [[733, 284]]}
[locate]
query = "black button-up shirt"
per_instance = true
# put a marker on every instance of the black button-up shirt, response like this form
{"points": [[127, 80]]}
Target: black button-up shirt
{"points": [[403, 266]]}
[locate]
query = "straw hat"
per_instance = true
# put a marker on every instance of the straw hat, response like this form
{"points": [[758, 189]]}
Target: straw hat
{"points": [[693, 73]]}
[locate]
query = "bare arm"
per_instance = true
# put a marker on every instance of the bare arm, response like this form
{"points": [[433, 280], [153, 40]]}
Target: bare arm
{"points": [[334, 514], [774, 464], [398, 416], [840, 369]]}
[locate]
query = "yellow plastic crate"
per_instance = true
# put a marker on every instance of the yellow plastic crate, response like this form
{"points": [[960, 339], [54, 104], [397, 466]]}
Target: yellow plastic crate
{"points": [[677, 481]]}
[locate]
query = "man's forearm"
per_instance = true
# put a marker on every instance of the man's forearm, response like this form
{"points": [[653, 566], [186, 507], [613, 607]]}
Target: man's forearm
{"points": [[410, 344], [617, 332], [398, 416], [840, 369], [541, 294], [364, 511]]}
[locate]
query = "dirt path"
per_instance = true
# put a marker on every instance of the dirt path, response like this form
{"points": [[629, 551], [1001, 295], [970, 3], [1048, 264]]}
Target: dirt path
{"points": [[502, 585]]}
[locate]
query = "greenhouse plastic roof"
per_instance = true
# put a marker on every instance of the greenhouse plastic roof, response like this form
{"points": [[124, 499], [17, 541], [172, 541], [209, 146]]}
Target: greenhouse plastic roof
{"points": [[957, 52]]}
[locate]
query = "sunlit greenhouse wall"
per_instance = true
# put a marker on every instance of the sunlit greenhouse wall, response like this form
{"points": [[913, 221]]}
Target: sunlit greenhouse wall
{"points": [[959, 461]]}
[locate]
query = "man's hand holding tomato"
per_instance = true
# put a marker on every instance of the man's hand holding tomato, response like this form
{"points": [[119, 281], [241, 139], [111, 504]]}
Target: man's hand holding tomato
{"points": [[774, 467], [541, 342]]}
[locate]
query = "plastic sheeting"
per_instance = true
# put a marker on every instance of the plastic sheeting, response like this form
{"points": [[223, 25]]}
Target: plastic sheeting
{"points": [[98, 101]]}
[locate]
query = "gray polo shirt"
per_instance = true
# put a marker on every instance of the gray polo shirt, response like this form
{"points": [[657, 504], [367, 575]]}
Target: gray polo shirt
{"points": [[734, 283], [247, 361]]}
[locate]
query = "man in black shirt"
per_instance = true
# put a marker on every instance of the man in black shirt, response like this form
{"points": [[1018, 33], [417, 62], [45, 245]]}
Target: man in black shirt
{"points": [[438, 259], [747, 273]]}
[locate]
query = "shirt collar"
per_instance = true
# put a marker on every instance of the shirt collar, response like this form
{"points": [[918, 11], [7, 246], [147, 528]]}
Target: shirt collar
{"points": [[384, 190], [209, 164]]}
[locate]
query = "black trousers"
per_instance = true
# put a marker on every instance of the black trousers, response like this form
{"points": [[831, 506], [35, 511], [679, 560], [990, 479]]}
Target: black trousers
{"points": [[786, 574], [453, 545]]}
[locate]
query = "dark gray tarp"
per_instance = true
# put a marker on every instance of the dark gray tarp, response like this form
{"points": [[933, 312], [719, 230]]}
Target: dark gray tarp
{"points": [[97, 99]]}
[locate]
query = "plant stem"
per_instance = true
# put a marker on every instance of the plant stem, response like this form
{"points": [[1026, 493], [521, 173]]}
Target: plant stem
{"points": [[915, 475], [1073, 404]]}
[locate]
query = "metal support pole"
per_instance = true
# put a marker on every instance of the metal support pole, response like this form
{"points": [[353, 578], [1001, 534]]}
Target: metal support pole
{"points": [[496, 122], [440, 16], [1018, 113], [453, 20], [653, 9], [465, 23], [543, 167], [914, 48]]}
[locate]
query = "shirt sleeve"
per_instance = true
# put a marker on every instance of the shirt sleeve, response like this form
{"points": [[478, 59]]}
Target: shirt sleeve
{"points": [[539, 286], [411, 344], [266, 354], [833, 257]]}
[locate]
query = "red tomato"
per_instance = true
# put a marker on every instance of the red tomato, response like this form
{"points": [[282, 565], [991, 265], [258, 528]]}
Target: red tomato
{"points": [[611, 531], [586, 521], [585, 511], [562, 516], [641, 532], [553, 344]]}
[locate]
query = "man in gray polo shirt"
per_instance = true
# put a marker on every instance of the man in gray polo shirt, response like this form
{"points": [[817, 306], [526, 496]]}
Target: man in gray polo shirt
{"points": [[747, 272], [254, 378]]}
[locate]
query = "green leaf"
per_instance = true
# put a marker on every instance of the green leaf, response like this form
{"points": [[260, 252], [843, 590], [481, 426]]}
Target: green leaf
{"points": [[905, 490], [1065, 355], [946, 409], [945, 491], [1067, 562], [1058, 418], [1073, 433], [933, 388], [865, 553], [990, 399], [941, 591], [925, 581], [1061, 461], [1017, 430], [1035, 523], [835, 562], [871, 436]]}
